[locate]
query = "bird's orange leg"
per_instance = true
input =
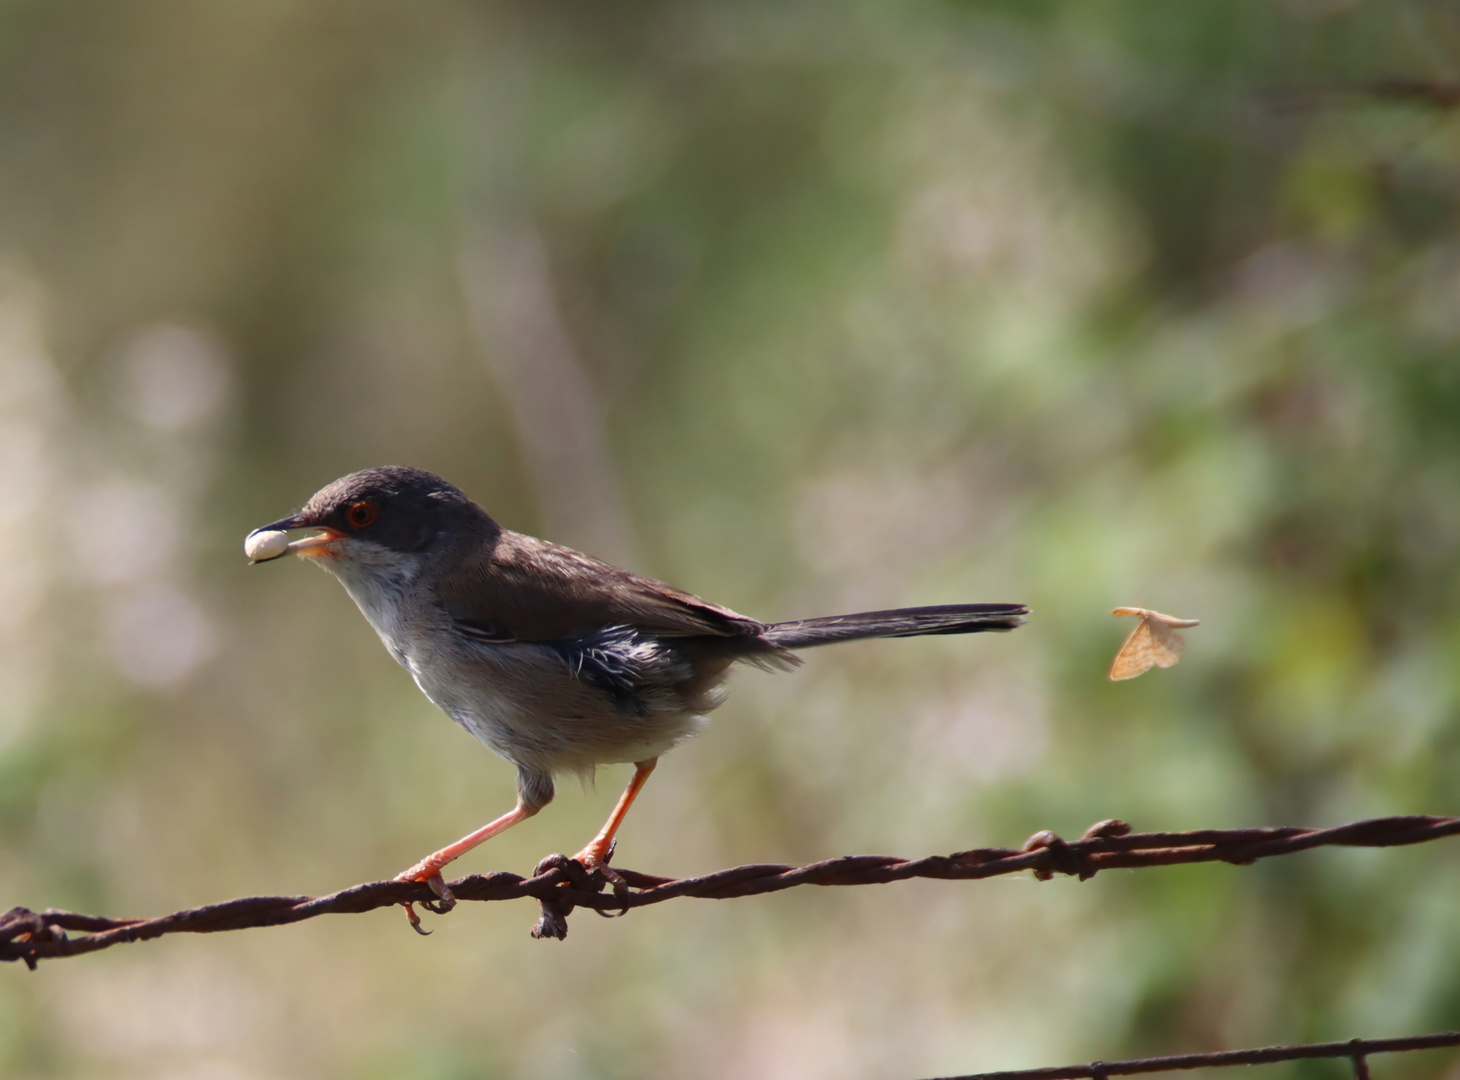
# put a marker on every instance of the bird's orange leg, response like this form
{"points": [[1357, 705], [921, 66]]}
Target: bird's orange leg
{"points": [[595, 855], [428, 870]]}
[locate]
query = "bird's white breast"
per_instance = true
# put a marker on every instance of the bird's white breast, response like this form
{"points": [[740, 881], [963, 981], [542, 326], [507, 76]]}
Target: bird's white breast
{"points": [[420, 638], [383, 597]]}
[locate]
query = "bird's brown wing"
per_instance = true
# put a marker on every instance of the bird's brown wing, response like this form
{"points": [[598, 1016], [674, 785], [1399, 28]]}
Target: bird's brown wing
{"points": [[525, 589]]}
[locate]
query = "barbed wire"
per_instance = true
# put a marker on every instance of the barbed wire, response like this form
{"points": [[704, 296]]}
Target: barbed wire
{"points": [[1356, 1050], [560, 885]]}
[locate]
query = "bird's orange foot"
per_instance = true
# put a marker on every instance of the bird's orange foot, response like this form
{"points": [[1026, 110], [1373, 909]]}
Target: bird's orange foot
{"points": [[428, 872], [594, 859]]}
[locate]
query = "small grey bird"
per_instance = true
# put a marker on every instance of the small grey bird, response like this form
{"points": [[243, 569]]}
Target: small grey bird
{"points": [[556, 660]]}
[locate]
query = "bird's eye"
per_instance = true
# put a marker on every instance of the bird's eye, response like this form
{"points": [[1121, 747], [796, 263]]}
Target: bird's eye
{"points": [[362, 514]]}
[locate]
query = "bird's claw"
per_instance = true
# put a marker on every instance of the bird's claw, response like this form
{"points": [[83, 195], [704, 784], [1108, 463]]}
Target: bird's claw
{"points": [[615, 880], [595, 861], [444, 903]]}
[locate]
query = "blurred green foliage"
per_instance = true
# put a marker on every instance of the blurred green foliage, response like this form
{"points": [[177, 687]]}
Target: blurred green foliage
{"points": [[803, 307]]}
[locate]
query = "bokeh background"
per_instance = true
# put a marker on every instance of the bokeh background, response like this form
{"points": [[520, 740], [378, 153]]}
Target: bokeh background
{"points": [[805, 307]]}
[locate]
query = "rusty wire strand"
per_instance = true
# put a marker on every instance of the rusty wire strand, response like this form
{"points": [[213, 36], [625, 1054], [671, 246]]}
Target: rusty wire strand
{"points": [[1356, 1050], [560, 884]]}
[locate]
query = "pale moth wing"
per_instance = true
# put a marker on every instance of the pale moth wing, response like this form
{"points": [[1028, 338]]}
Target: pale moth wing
{"points": [[1155, 642]]}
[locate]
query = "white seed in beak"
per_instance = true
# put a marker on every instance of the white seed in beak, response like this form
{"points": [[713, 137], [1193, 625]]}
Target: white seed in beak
{"points": [[265, 545]]}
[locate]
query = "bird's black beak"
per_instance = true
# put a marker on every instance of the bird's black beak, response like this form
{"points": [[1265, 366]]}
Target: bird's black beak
{"points": [[295, 522], [267, 543]]}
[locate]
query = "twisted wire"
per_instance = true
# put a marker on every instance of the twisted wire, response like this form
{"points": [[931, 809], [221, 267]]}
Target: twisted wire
{"points": [[560, 885]]}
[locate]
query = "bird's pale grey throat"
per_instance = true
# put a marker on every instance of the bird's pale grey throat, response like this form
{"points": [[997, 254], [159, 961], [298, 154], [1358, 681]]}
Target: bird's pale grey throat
{"points": [[556, 660]]}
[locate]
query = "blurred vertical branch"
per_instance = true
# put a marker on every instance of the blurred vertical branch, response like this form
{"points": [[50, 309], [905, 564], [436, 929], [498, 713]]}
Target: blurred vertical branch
{"points": [[519, 331]]}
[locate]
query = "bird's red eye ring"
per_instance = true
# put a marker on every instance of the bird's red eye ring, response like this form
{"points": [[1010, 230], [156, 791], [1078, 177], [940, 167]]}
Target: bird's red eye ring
{"points": [[362, 515]]}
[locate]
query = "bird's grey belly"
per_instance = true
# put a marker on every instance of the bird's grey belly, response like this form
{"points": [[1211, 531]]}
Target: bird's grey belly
{"points": [[525, 701]]}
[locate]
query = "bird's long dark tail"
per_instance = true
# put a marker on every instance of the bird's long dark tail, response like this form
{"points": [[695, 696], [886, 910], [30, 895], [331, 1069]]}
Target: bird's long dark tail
{"points": [[901, 622]]}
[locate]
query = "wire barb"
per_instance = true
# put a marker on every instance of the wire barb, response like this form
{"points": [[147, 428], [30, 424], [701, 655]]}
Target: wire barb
{"points": [[560, 885], [1361, 1066]]}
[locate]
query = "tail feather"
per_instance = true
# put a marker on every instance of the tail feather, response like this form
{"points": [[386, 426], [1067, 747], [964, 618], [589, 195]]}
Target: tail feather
{"points": [[901, 622]]}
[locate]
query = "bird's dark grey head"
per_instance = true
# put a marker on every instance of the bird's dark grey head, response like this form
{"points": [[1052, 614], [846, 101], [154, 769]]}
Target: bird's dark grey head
{"points": [[382, 532], [397, 508]]}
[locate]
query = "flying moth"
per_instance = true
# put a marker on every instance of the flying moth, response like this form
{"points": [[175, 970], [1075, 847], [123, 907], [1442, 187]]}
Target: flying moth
{"points": [[1155, 642]]}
